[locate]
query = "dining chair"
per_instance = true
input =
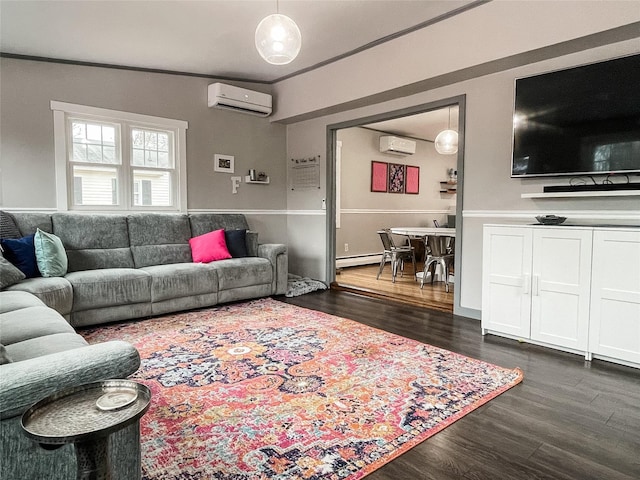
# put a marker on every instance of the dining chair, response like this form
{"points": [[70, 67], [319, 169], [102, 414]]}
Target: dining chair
{"points": [[395, 254], [441, 251]]}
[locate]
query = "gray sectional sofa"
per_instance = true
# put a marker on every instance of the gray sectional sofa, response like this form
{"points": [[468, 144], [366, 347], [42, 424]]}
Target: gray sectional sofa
{"points": [[119, 267], [46, 355], [131, 266]]}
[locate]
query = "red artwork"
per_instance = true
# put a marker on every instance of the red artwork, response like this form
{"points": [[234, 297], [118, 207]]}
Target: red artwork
{"points": [[413, 180], [379, 176]]}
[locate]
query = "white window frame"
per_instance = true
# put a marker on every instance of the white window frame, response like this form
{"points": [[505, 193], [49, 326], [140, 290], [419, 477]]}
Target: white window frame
{"points": [[64, 179]]}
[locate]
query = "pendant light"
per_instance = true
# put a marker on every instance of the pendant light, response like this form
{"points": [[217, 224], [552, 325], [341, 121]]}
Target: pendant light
{"points": [[446, 142], [278, 39]]}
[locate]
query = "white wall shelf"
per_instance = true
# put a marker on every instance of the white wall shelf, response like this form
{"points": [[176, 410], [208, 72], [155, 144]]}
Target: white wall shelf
{"points": [[247, 179], [612, 193]]}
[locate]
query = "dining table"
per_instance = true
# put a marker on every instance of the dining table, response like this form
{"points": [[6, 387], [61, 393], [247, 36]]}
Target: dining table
{"points": [[438, 250], [424, 231]]}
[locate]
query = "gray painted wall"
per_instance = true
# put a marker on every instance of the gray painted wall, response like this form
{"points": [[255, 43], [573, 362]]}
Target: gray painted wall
{"points": [[368, 211], [26, 142], [489, 192]]}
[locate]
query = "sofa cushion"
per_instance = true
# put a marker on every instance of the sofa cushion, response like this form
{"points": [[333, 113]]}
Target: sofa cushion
{"points": [[109, 287], [22, 253], [94, 241], [30, 222], [236, 242], [39, 346], [50, 254], [9, 273], [181, 280], [55, 292], [242, 272], [209, 247], [159, 239], [10, 301], [31, 322], [206, 222]]}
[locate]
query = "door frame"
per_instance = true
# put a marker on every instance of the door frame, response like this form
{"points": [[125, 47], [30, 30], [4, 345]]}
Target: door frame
{"points": [[332, 130]]}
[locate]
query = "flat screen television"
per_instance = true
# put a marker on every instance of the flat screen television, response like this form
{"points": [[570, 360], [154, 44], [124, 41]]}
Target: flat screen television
{"points": [[579, 121]]}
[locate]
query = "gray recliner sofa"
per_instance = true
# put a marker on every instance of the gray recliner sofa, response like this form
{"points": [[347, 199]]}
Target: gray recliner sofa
{"points": [[45, 355], [131, 266]]}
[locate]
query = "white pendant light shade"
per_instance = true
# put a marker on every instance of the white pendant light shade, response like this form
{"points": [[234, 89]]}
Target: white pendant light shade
{"points": [[278, 39], [447, 142]]}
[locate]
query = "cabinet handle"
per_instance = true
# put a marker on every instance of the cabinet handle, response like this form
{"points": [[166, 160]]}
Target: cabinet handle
{"points": [[536, 285], [526, 284]]}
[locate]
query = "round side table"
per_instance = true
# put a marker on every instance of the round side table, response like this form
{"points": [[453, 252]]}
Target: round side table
{"points": [[86, 416]]}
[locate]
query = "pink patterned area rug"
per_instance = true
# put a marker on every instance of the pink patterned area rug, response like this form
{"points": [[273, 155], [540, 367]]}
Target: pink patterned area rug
{"points": [[266, 390]]}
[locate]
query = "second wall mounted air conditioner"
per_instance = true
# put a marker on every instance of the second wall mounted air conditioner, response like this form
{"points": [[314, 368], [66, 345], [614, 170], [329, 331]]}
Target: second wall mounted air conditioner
{"points": [[228, 97], [397, 145]]}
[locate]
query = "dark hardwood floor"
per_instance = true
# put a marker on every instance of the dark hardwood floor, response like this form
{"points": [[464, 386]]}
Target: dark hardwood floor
{"points": [[568, 419]]}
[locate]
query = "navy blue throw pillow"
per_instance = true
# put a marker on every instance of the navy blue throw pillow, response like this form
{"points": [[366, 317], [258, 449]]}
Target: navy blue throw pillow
{"points": [[22, 253], [236, 243]]}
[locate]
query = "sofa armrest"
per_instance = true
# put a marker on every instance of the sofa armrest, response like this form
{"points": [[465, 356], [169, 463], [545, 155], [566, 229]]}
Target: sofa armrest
{"points": [[24, 383], [276, 253]]}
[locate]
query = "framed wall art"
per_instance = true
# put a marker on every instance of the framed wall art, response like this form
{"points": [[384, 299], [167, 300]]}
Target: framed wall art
{"points": [[223, 163], [379, 172], [396, 178], [412, 180]]}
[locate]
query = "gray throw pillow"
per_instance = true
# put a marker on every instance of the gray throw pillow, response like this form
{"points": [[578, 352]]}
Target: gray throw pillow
{"points": [[9, 273], [8, 227]]}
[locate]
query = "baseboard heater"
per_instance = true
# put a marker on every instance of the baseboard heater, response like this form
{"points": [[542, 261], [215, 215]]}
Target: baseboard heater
{"points": [[358, 260], [601, 187]]}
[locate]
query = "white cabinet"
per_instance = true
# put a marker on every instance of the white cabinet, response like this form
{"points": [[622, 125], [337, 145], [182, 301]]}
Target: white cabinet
{"points": [[506, 280], [615, 295], [536, 284]]}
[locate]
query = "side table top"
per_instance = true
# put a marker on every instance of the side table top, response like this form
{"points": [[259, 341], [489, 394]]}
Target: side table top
{"points": [[74, 415]]}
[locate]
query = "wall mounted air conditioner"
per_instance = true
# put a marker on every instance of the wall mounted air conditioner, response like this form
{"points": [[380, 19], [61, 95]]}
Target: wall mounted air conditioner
{"points": [[397, 145], [221, 95]]}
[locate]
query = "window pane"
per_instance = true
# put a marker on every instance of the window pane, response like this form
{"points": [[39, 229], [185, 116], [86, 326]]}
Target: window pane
{"points": [[94, 153], [108, 135], [79, 131], [152, 159], [95, 185], [151, 140], [137, 137], [79, 153], [94, 142], [138, 157], [163, 142], [94, 133], [151, 148], [163, 159], [109, 154], [154, 188]]}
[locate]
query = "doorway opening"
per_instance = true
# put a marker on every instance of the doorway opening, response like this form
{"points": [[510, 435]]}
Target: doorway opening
{"points": [[430, 189]]}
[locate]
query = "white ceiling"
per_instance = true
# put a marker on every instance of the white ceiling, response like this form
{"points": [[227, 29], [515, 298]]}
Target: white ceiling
{"points": [[214, 37], [423, 126], [210, 37]]}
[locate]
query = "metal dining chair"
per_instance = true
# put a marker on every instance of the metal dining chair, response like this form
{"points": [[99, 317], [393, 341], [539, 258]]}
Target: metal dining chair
{"points": [[395, 254], [441, 250]]}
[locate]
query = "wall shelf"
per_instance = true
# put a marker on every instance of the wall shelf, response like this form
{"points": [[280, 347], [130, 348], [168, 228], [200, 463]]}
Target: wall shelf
{"points": [[612, 193], [447, 187], [247, 179]]}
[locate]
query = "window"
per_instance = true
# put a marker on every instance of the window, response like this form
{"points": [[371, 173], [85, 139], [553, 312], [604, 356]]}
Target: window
{"points": [[109, 160]]}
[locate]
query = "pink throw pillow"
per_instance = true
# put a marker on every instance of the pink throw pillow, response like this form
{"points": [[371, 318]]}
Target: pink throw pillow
{"points": [[209, 247]]}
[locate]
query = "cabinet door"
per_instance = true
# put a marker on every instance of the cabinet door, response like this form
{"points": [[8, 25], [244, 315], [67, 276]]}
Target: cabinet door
{"points": [[506, 273], [560, 286], [615, 301]]}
